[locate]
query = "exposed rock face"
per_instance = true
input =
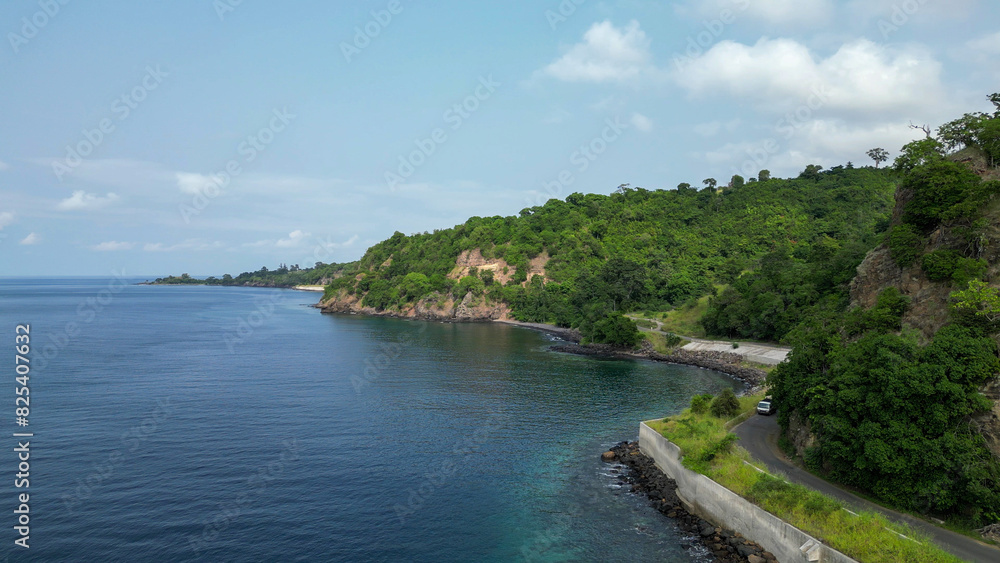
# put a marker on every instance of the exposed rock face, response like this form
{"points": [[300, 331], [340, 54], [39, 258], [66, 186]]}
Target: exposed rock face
{"points": [[877, 272], [469, 259], [433, 307], [800, 434], [988, 424], [928, 310], [439, 307], [502, 271]]}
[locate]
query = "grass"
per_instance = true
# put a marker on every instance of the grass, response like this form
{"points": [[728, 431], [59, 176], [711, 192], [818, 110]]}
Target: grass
{"points": [[763, 367], [685, 319], [708, 448], [662, 343], [644, 323]]}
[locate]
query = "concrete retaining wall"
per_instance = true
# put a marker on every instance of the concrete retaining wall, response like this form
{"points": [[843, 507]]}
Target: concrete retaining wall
{"points": [[718, 504]]}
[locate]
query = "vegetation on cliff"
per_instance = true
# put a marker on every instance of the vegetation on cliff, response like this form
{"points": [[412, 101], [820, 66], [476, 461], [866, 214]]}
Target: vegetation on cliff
{"points": [[646, 249], [890, 406]]}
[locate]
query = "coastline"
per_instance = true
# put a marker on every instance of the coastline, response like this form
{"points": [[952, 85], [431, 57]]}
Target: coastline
{"points": [[728, 363], [723, 362], [316, 288], [647, 479], [568, 334]]}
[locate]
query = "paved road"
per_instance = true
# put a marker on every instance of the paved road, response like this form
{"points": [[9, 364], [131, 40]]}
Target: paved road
{"points": [[759, 436]]}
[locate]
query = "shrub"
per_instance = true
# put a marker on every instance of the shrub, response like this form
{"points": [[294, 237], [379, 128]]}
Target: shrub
{"points": [[948, 265], [905, 244], [615, 329], [700, 403], [814, 459], [471, 283], [720, 447], [726, 405]]}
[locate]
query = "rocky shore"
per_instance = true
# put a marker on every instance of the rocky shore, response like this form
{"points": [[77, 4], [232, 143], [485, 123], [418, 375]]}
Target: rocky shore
{"points": [[725, 362], [647, 479]]}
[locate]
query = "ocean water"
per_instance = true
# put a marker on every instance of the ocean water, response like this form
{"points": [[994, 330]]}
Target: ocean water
{"points": [[240, 424]]}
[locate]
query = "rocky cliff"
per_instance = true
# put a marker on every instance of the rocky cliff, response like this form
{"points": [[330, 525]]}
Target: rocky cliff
{"points": [[929, 310], [471, 308], [433, 307]]}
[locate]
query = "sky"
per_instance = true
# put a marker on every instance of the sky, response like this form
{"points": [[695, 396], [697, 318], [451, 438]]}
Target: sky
{"points": [[219, 136]]}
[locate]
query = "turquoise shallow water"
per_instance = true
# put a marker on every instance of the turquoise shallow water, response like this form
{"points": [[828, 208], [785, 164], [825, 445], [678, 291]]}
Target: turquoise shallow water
{"points": [[239, 424]]}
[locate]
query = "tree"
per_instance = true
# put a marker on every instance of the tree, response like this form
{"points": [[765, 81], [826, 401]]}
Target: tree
{"points": [[811, 172], [617, 330], [623, 281], [737, 182], [979, 299], [978, 130], [700, 403], [879, 155], [764, 175], [710, 182], [918, 153], [726, 405], [414, 286]]}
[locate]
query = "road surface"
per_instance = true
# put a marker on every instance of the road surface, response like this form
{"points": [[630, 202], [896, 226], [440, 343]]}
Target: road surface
{"points": [[767, 354], [759, 436]]}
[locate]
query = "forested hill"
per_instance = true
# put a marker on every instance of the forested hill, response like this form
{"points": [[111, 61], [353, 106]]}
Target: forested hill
{"points": [[592, 257], [899, 395], [282, 276]]}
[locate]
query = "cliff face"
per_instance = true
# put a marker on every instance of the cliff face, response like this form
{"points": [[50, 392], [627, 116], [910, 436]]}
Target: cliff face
{"points": [[433, 307], [471, 308], [928, 299], [928, 310]]}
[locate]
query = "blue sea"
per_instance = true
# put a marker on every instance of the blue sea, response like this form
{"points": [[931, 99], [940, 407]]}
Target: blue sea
{"points": [[241, 424]]}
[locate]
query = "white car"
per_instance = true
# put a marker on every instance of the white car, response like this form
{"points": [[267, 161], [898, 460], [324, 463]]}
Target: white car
{"points": [[767, 407]]}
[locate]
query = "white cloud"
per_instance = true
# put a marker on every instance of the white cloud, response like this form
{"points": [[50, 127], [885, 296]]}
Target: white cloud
{"points": [[293, 240], [193, 183], [6, 218], [607, 54], [861, 77], [31, 239], [988, 45], [789, 11], [782, 12], [641, 122], [190, 245], [827, 142], [113, 246], [82, 200], [713, 128]]}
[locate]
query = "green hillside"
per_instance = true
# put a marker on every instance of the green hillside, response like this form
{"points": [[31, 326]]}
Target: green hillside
{"points": [[642, 249], [899, 394]]}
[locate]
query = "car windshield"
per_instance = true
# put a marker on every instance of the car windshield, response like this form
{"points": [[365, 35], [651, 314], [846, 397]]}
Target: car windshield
{"points": [[764, 404]]}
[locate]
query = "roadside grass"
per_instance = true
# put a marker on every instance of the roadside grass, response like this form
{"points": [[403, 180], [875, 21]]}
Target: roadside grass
{"points": [[763, 367], [709, 448], [685, 319], [645, 323], [662, 343]]}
